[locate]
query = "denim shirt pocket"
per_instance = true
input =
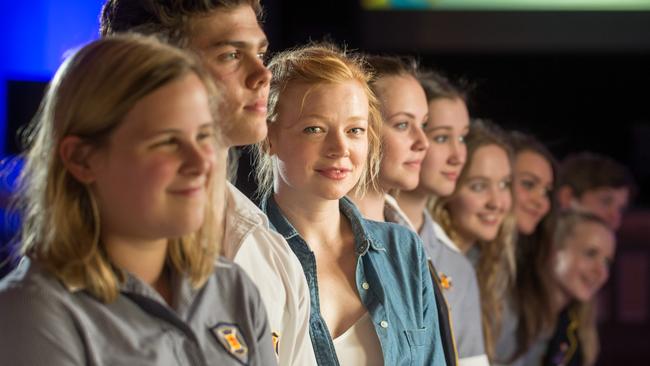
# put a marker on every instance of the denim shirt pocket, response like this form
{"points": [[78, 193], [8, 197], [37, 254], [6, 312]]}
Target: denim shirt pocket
{"points": [[417, 340]]}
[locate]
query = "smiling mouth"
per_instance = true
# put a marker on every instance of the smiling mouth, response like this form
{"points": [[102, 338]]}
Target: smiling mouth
{"points": [[334, 173], [490, 219], [451, 176], [187, 192]]}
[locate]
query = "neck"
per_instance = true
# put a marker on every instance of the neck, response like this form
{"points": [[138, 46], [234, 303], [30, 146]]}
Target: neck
{"points": [[413, 203], [371, 205], [143, 258], [464, 244], [317, 220]]}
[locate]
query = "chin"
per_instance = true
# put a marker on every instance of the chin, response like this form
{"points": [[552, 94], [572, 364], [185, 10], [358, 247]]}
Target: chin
{"points": [[487, 236], [525, 227]]}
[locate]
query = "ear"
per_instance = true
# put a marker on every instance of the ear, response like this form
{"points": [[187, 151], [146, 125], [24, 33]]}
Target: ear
{"points": [[74, 154], [564, 197]]}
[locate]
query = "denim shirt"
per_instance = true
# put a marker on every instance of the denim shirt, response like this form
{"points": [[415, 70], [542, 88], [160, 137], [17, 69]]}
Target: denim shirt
{"points": [[393, 282]]}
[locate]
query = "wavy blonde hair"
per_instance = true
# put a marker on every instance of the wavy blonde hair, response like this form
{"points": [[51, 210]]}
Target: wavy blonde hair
{"points": [[88, 97], [496, 265], [319, 63]]}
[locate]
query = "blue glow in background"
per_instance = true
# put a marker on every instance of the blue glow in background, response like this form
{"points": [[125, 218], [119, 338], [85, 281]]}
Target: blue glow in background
{"points": [[34, 37]]}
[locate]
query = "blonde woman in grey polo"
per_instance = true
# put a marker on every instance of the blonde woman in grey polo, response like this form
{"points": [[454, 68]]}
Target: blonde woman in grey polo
{"points": [[119, 223]]}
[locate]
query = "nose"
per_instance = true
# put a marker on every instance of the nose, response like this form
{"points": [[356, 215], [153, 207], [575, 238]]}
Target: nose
{"points": [[458, 153], [498, 199], [197, 160], [258, 76], [614, 218], [420, 141], [337, 145]]}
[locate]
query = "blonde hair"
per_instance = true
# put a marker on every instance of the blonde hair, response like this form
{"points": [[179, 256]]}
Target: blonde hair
{"points": [[496, 265], [88, 97], [585, 312], [319, 63]]}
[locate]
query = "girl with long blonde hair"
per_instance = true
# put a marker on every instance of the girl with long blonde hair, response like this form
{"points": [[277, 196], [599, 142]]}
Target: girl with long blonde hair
{"points": [[477, 217], [122, 213]]}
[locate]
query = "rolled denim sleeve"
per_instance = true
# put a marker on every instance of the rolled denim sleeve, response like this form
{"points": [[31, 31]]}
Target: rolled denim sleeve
{"points": [[37, 331]]}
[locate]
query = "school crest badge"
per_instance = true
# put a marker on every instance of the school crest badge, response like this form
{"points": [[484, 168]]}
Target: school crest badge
{"points": [[231, 338], [276, 342], [445, 281]]}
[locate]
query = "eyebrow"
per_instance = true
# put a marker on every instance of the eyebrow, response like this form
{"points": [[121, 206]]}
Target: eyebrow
{"points": [[531, 175], [407, 114], [203, 126], [239, 44]]}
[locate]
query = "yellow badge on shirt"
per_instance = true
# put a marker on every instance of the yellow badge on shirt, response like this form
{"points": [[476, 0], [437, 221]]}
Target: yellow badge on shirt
{"points": [[445, 281], [230, 337], [276, 342]]}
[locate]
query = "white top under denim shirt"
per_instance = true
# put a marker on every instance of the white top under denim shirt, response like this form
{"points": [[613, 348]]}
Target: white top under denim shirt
{"points": [[43, 323], [393, 282]]}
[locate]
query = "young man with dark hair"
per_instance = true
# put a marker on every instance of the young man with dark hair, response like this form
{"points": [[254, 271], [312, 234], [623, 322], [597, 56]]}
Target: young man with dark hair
{"points": [[597, 184], [227, 36]]}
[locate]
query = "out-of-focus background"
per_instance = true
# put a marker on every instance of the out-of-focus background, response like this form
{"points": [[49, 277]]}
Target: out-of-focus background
{"points": [[576, 73]]}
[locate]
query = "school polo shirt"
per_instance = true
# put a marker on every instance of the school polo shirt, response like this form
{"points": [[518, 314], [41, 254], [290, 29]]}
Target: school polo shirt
{"points": [[222, 323], [461, 292], [270, 263]]}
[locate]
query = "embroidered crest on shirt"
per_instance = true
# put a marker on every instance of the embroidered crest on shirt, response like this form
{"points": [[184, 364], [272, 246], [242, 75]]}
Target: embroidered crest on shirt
{"points": [[230, 337], [276, 342], [445, 281]]}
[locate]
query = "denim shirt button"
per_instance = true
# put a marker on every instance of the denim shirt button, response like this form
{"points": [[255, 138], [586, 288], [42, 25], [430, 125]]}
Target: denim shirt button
{"points": [[363, 248], [365, 285], [383, 324]]}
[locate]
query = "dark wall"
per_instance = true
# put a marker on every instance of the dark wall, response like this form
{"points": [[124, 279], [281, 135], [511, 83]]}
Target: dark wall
{"points": [[586, 90]]}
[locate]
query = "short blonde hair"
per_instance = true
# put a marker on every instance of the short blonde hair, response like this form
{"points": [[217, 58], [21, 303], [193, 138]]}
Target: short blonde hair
{"points": [[319, 63], [88, 97]]}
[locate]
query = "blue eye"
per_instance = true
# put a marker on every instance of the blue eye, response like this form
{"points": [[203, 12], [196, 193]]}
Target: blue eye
{"points": [[477, 187], [440, 139], [401, 126], [229, 56]]}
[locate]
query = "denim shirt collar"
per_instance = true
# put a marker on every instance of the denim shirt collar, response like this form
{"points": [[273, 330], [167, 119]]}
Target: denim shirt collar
{"points": [[364, 240]]}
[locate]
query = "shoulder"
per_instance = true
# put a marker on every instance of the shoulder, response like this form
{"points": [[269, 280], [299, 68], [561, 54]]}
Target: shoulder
{"points": [[37, 306], [393, 235], [29, 287]]}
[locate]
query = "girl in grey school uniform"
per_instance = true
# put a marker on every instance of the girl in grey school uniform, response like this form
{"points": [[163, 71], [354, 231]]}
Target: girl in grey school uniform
{"points": [[446, 129], [119, 237], [478, 217]]}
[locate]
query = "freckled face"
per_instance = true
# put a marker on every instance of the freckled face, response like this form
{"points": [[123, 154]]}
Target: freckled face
{"points": [[320, 139]]}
